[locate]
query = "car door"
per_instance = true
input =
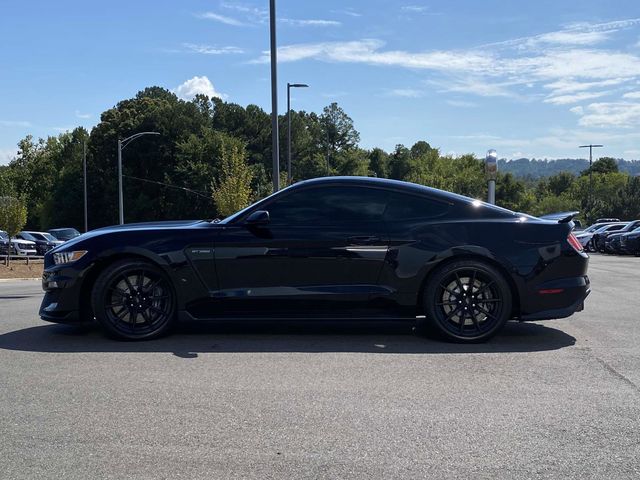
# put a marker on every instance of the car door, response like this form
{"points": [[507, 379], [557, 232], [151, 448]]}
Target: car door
{"points": [[320, 254]]}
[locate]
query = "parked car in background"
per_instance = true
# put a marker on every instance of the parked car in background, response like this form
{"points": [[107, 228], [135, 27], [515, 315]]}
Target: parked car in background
{"points": [[600, 235], [630, 242], [5, 243], [585, 236], [612, 239], [607, 220], [23, 248], [64, 234], [44, 241]]}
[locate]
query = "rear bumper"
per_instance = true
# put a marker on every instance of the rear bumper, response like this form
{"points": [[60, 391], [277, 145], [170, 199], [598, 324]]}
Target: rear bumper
{"points": [[560, 298]]}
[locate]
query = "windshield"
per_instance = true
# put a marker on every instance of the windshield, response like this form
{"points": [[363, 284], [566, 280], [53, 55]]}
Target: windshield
{"points": [[65, 233], [4, 235], [607, 228], [593, 228], [27, 236], [49, 237]]}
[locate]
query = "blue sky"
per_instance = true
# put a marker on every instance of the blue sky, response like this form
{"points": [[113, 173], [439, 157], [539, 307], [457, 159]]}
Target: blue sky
{"points": [[528, 78]]}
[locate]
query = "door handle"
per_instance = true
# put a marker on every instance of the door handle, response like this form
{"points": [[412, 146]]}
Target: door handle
{"points": [[364, 240]]}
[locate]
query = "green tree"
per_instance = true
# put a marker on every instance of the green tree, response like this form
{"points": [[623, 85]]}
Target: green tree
{"points": [[602, 165], [379, 163], [560, 183], [338, 132], [13, 215], [232, 191]]}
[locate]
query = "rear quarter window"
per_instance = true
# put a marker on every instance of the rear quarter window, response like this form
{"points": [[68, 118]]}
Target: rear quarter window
{"points": [[407, 207]]}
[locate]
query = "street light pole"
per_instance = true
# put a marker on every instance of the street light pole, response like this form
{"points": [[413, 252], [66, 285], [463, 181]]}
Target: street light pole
{"points": [[289, 87], [275, 143], [84, 175], [122, 144]]}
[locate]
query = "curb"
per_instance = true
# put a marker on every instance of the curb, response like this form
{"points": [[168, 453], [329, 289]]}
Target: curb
{"points": [[18, 279]]}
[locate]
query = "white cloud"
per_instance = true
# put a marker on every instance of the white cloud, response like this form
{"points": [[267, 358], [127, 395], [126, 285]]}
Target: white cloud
{"points": [[221, 19], [15, 123], [405, 92], [414, 8], [631, 95], [7, 154], [197, 85], [83, 115], [212, 49], [462, 104], [348, 11], [577, 110], [310, 23], [612, 114], [574, 98], [570, 85], [252, 13]]}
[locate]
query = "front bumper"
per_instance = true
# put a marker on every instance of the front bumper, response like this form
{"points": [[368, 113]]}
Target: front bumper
{"points": [[62, 298]]}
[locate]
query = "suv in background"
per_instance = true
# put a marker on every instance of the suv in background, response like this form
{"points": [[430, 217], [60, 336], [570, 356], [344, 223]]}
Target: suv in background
{"points": [[5, 243], [64, 234], [23, 248], [44, 241]]}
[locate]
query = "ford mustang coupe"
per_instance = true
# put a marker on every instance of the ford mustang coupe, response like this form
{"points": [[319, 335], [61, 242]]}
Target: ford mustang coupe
{"points": [[328, 248]]}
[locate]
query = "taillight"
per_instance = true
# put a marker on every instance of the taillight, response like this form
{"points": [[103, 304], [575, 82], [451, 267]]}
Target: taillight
{"points": [[575, 243]]}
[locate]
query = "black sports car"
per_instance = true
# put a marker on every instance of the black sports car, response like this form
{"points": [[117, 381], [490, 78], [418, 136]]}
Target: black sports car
{"points": [[341, 247]]}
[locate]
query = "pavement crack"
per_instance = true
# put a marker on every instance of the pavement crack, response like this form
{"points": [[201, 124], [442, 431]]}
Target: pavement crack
{"points": [[616, 374]]}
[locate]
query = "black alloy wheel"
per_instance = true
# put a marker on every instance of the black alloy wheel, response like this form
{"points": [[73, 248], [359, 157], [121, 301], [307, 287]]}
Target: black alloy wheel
{"points": [[468, 301], [134, 300]]}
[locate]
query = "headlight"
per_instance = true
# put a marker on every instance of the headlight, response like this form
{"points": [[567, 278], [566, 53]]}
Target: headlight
{"points": [[68, 257]]}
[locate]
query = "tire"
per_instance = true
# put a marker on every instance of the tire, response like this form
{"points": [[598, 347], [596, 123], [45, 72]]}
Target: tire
{"points": [[467, 301], [589, 248], [134, 300]]}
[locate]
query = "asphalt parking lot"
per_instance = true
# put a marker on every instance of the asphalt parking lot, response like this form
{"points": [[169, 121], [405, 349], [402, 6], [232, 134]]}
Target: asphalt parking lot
{"points": [[551, 399]]}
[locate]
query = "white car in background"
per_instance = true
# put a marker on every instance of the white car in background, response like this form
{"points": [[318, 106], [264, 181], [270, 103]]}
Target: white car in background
{"points": [[23, 248]]}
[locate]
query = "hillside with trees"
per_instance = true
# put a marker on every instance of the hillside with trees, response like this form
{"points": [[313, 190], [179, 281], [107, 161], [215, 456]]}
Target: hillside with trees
{"points": [[213, 157]]}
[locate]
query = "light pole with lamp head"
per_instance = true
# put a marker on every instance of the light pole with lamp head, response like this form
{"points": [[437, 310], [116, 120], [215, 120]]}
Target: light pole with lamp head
{"points": [[84, 175], [491, 170], [289, 87], [122, 144]]}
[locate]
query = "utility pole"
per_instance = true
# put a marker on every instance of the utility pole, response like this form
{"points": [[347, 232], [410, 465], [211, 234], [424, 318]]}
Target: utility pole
{"points": [[122, 144], [275, 143], [591, 147]]}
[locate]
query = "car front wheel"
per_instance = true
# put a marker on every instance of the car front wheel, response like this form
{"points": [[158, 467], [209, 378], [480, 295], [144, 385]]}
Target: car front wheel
{"points": [[467, 301], [133, 300]]}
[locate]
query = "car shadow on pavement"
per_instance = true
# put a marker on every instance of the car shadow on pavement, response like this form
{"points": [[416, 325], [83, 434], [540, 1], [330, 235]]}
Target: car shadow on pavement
{"points": [[189, 340]]}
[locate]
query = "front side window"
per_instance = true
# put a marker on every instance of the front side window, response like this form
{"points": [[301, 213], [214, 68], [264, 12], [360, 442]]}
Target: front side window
{"points": [[329, 206]]}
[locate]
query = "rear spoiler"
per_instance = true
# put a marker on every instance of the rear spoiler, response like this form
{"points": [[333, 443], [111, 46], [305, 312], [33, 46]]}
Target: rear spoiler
{"points": [[568, 217], [564, 217]]}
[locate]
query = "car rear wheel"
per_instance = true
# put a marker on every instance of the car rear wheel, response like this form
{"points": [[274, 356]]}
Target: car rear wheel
{"points": [[133, 300], [467, 301]]}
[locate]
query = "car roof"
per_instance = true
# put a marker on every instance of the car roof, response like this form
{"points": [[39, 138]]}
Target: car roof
{"points": [[397, 185]]}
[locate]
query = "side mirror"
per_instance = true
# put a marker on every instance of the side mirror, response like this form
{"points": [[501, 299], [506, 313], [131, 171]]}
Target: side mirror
{"points": [[257, 218]]}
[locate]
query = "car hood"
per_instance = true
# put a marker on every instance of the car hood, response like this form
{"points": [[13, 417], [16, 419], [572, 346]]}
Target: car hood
{"points": [[128, 227], [24, 242]]}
